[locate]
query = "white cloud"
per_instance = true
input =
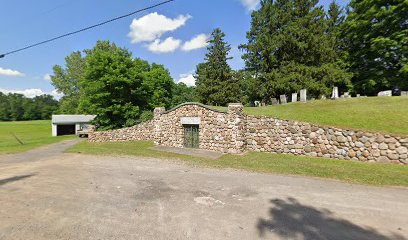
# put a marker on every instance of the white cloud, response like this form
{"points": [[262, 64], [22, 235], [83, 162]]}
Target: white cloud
{"points": [[250, 4], [32, 92], [47, 77], [197, 42], [168, 45], [10, 73], [56, 94], [152, 26], [188, 79]]}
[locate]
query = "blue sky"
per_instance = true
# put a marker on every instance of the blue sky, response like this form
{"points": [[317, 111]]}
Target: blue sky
{"points": [[173, 34]]}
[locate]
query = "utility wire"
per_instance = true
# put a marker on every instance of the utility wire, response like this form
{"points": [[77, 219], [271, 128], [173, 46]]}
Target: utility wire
{"points": [[85, 29]]}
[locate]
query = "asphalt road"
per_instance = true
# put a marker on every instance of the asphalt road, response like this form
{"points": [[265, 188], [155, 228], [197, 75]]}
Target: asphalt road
{"points": [[45, 194]]}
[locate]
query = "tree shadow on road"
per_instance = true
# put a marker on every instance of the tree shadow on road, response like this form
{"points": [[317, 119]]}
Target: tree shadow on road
{"points": [[15, 178], [292, 220]]}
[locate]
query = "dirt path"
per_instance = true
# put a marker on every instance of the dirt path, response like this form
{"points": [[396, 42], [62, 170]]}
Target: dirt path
{"points": [[70, 196]]}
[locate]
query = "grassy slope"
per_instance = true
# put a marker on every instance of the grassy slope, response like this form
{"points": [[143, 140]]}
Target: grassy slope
{"points": [[31, 133], [355, 172], [375, 114]]}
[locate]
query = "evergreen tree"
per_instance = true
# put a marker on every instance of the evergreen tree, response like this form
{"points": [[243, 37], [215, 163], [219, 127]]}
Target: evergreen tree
{"points": [[377, 37], [290, 47], [215, 82]]}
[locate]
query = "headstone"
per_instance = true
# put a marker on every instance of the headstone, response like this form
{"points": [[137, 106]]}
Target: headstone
{"points": [[358, 95], [294, 97], [335, 93], [283, 99], [275, 101], [342, 96], [323, 97], [257, 103], [303, 95], [387, 93], [404, 93], [347, 95]]}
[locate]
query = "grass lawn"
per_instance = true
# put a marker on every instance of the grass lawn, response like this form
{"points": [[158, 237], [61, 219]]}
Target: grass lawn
{"points": [[32, 134], [374, 114], [353, 172]]}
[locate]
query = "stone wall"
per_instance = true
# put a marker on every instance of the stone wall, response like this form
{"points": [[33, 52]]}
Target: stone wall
{"points": [[234, 132], [143, 131], [266, 134], [219, 131]]}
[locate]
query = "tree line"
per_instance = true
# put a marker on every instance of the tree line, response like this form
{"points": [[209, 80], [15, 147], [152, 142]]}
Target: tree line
{"points": [[16, 107], [296, 44], [291, 45]]}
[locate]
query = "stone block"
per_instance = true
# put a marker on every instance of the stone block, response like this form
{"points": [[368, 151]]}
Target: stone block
{"points": [[303, 95], [335, 93], [387, 93], [404, 93], [294, 97], [275, 101], [283, 99]]}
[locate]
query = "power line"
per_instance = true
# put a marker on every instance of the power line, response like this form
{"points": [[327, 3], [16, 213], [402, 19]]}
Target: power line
{"points": [[85, 29]]}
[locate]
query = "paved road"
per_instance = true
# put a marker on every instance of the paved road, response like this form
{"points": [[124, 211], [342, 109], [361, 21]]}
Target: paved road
{"points": [[70, 196]]}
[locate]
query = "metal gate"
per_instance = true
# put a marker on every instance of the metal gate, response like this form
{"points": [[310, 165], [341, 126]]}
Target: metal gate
{"points": [[191, 136]]}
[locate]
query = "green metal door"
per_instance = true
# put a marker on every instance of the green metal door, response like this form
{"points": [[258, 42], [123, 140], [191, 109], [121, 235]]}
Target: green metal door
{"points": [[191, 136]]}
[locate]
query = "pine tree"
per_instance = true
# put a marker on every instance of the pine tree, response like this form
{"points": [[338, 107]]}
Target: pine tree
{"points": [[289, 48], [377, 37], [214, 78]]}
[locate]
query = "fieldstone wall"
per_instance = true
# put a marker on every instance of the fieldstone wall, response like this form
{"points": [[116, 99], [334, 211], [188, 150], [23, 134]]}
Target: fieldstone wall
{"points": [[266, 134], [219, 131], [234, 132], [143, 131]]}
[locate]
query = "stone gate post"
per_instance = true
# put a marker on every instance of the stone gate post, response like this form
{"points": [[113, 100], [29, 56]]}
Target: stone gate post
{"points": [[157, 135], [236, 127]]}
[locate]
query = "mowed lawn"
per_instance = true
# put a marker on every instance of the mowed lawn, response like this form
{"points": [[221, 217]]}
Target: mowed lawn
{"points": [[374, 114], [348, 171], [32, 134]]}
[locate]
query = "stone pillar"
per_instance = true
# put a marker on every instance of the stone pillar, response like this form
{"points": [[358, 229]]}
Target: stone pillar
{"points": [[274, 101], [236, 128], [303, 95], [335, 93], [157, 125], [294, 97], [283, 99]]}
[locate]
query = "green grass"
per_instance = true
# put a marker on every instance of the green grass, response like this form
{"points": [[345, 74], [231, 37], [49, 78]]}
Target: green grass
{"points": [[374, 114], [348, 171], [32, 133]]}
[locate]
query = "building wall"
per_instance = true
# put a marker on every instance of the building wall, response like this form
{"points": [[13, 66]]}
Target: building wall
{"points": [[235, 132]]}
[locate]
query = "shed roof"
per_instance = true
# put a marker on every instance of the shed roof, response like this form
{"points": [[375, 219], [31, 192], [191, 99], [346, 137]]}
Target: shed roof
{"points": [[72, 118]]}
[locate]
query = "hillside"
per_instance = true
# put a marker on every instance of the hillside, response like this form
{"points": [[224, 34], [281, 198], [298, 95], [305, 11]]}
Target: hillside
{"points": [[375, 114], [31, 133]]}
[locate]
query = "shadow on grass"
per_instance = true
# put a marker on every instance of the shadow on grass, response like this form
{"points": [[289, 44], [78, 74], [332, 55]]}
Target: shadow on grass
{"points": [[15, 178], [292, 220]]}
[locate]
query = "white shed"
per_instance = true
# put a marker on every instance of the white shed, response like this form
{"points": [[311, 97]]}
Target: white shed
{"points": [[70, 124]]}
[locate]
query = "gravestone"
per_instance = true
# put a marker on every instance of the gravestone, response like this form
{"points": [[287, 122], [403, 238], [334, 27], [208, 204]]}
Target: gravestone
{"points": [[303, 95], [257, 103], [404, 93], [387, 93], [283, 99], [347, 95], [335, 93], [275, 101], [323, 97], [358, 95], [294, 97]]}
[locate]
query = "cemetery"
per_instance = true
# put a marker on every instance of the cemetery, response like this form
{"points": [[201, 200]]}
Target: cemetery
{"points": [[194, 125]]}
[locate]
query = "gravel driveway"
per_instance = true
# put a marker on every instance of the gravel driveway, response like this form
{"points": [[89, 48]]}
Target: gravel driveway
{"points": [[45, 194]]}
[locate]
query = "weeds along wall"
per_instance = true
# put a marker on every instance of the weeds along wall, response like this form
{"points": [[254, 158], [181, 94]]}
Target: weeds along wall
{"points": [[233, 131]]}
